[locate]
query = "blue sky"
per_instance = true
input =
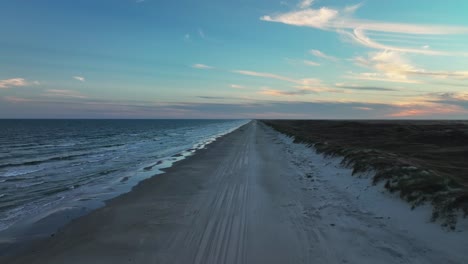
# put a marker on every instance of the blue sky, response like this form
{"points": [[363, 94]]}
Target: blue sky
{"points": [[233, 59]]}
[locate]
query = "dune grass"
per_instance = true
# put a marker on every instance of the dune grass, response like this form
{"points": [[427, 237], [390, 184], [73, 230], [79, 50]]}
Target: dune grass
{"points": [[425, 162]]}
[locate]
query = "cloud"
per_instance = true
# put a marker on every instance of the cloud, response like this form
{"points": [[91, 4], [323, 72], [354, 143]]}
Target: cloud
{"points": [[14, 99], [302, 62], [139, 1], [332, 19], [305, 3], [311, 63], [213, 97], [373, 76], [202, 66], [236, 86], [450, 98], [201, 33], [364, 108], [365, 88], [63, 93], [428, 110], [300, 90], [273, 92], [319, 54], [98, 108], [343, 22], [187, 38], [16, 82], [392, 66], [316, 18], [301, 82], [358, 36], [79, 78], [266, 75], [352, 9]]}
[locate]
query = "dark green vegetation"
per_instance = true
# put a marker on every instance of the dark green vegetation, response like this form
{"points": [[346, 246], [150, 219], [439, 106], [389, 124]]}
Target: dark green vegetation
{"points": [[425, 161]]}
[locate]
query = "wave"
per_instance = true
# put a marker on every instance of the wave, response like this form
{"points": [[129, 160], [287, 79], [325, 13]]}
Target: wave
{"points": [[25, 185], [19, 172], [37, 162]]}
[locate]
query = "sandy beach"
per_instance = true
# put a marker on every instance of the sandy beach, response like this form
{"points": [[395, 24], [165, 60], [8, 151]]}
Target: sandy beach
{"points": [[253, 196]]}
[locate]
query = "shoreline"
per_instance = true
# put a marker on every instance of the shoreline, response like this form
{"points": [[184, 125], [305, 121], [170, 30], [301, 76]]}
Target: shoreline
{"points": [[253, 196], [28, 232]]}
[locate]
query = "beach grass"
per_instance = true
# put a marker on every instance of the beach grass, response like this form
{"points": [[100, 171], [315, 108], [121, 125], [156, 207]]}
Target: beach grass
{"points": [[423, 161]]}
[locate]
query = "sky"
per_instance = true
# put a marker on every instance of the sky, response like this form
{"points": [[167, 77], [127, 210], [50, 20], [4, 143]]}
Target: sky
{"points": [[248, 59]]}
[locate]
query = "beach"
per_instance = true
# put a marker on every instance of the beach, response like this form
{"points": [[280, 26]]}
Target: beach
{"points": [[253, 196]]}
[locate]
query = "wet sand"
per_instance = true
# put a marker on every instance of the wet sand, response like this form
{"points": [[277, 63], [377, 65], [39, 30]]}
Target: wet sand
{"points": [[245, 199]]}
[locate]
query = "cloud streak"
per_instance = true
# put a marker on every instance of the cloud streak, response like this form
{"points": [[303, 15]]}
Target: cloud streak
{"points": [[319, 54], [266, 75], [202, 66], [60, 93], [305, 3], [311, 63], [236, 86], [92, 108], [299, 82], [79, 78], [343, 22], [392, 66], [16, 82], [365, 88]]}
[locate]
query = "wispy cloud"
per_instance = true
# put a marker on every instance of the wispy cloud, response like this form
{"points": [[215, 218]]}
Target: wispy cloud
{"points": [[14, 99], [450, 98], [16, 82], [319, 54], [63, 93], [343, 22], [213, 97], [358, 36], [300, 82], [187, 38], [329, 18], [202, 66], [274, 92], [305, 3], [393, 66], [365, 88], [201, 33], [283, 108], [302, 62], [236, 86], [427, 110], [364, 108], [79, 78], [374, 76], [311, 63], [266, 75], [312, 88]]}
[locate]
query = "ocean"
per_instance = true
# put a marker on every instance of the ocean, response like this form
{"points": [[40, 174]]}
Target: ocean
{"points": [[51, 165]]}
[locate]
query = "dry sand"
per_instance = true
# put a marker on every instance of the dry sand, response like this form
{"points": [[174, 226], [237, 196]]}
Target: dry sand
{"points": [[252, 197]]}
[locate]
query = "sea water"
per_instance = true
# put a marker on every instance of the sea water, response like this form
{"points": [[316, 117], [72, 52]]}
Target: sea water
{"points": [[48, 165]]}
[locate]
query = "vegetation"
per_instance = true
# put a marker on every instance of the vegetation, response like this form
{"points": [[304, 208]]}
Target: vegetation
{"points": [[423, 161]]}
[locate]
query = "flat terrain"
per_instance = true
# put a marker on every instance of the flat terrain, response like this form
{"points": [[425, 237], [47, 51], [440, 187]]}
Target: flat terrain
{"points": [[251, 197]]}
